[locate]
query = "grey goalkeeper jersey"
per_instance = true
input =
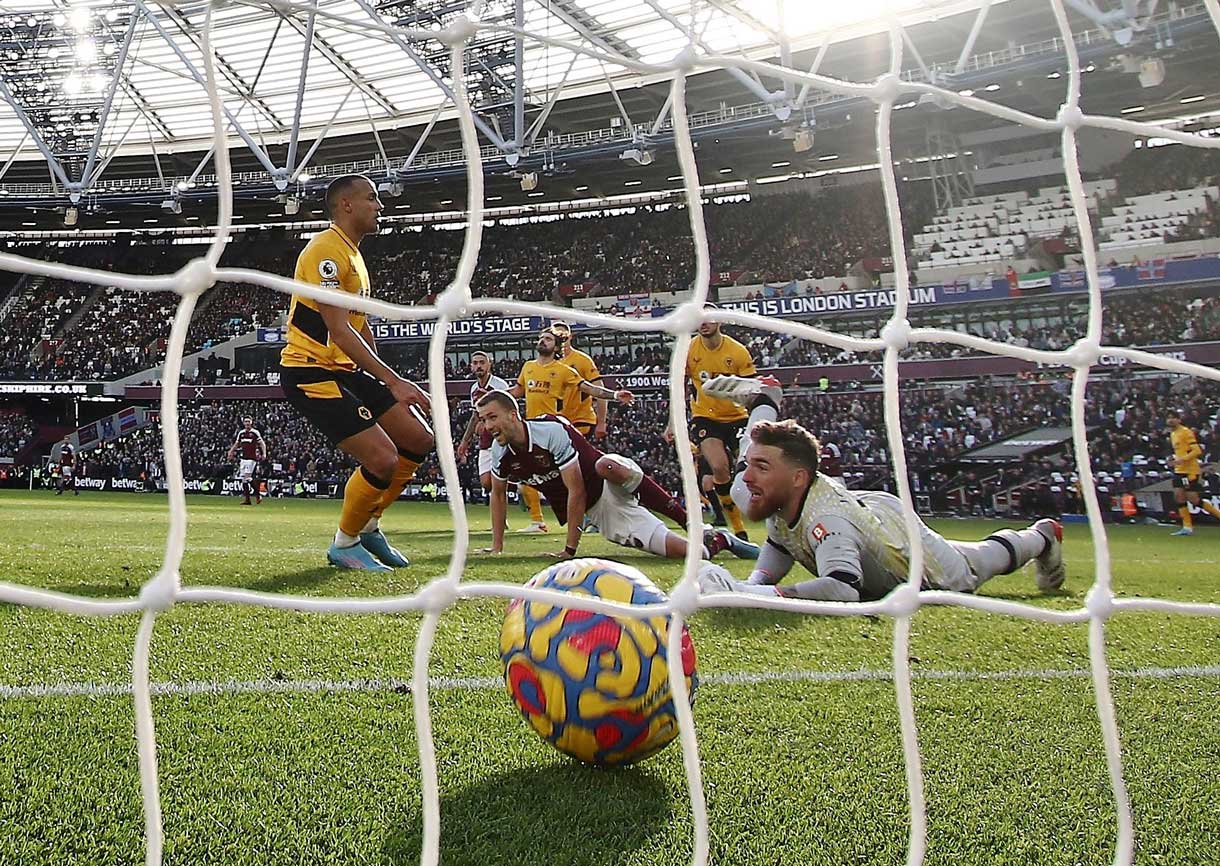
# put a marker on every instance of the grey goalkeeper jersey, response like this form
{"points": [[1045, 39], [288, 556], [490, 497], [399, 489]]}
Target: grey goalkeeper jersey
{"points": [[855, 534]]}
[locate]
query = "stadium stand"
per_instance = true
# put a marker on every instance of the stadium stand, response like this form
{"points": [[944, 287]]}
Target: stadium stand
{"points": [[941, 423], [16, 431], [57, 331]]}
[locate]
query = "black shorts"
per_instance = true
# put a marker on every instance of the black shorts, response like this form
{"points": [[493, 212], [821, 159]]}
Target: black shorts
{"points": [[338, 402], [1189, 483], [728, 432]]}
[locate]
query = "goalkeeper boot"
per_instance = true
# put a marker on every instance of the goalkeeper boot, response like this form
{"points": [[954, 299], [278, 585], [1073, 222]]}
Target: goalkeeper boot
{"points": [[354, 556], [376, 543], [719, 540], [1049, 570], [740, 389]]}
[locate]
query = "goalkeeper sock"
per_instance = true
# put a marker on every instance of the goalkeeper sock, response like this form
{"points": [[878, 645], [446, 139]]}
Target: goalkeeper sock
{"points": [[408, 464], [533, 500], [361, 496], [731, 512], [1188, 520]]}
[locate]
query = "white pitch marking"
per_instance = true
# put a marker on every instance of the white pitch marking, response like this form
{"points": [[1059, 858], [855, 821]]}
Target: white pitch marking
{"points": [[743, 678]]}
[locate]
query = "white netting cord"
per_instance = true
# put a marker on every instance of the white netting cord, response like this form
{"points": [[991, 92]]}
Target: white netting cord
{"points": [[163, 590]]}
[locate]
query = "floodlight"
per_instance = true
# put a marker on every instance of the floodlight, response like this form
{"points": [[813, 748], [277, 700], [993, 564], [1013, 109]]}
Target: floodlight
{"points": [[1152, 72], [640, 155]]}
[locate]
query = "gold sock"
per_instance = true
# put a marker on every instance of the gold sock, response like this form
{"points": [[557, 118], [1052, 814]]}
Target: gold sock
{"points": [[729, 507], [533, 500], [361, 496], [1210, 509], [402, 475], [1188, 522]]}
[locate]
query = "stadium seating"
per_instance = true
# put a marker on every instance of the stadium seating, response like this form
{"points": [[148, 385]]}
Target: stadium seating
{"points": [[1155, 216], [16, 431], [646, 250], [987, 228]]}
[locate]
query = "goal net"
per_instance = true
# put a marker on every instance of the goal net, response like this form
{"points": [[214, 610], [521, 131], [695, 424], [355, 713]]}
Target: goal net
{"points": [[164, 589]]}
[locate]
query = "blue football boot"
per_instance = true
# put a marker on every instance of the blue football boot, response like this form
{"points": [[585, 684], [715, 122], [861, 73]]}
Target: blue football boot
{"points": [[376, 543], [354, 557]]}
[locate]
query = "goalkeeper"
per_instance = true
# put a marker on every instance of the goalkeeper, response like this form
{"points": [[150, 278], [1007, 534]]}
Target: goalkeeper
{"points": [[855, 542]]}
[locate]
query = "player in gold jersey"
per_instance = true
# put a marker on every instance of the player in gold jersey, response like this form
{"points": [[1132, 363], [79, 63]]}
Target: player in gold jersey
{"points": [[586, 414], [1186, 473], [330, 372], [717, 422], [546, 383]]}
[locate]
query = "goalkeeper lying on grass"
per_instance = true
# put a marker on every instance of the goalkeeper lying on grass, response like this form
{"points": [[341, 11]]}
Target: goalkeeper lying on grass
{"points": [[855, 542]]}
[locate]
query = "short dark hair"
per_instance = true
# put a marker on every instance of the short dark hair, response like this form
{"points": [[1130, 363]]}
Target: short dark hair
{"points": [[1174, 413], [797, 444], [503, 398], [340, 185]]}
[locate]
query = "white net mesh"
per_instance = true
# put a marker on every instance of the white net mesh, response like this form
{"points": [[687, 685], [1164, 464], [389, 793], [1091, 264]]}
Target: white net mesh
{"points": [[165, 590]]}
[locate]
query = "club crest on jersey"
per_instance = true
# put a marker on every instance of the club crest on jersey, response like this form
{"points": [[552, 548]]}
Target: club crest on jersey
{"points": [[819, 532], [365, 413], [328, 269]]}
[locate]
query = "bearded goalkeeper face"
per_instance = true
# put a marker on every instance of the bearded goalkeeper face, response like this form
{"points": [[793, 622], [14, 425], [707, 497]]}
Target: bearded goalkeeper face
{"points": [[781, 463]]}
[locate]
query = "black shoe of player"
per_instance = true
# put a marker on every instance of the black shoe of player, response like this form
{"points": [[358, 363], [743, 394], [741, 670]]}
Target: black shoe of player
{"points": [[743, 535]]}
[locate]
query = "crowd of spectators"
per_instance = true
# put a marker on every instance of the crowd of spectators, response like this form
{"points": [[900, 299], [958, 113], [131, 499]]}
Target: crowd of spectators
{"points": [[1146, 170], [772, 238], [16, 431], [649, 249], [1128, 439]]}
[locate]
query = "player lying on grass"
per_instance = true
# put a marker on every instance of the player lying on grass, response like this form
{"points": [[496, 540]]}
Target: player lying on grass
{"points": [[577, 479], [855, 542]]}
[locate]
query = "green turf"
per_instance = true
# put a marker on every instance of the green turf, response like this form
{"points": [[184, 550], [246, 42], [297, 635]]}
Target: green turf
{"points": [[795, 772]]}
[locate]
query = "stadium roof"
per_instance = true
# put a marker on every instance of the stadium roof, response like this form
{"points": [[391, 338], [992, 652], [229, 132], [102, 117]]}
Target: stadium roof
{"points": [[368, 97], [61, 55]]}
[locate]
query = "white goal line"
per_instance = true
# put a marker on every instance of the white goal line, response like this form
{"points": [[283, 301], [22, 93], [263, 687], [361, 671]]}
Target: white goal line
{"points": [[478, 684]]}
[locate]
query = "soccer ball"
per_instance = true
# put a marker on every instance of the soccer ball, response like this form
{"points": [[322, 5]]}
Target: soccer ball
{"points": [[596, 687]]}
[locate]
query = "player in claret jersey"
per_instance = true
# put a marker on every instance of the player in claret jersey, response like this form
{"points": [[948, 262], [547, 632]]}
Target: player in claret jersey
{"points": [[249, 443], [484, 382], [67, 468], [549, 386], [550, 454]]}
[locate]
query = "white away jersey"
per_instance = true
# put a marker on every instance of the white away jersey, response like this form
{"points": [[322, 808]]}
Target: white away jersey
{"points": [[856, 533]]}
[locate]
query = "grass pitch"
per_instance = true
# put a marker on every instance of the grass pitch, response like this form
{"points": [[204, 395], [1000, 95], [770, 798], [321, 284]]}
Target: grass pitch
{"points": [[308, 754]]}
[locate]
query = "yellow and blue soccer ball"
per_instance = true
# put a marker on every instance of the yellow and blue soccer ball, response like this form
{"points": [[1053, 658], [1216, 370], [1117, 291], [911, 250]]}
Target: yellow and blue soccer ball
{"points": [[595, 687]]}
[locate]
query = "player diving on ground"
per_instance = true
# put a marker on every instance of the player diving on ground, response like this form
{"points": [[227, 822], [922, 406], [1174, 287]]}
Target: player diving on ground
{"points": [[855, 542], [577, 479]]}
